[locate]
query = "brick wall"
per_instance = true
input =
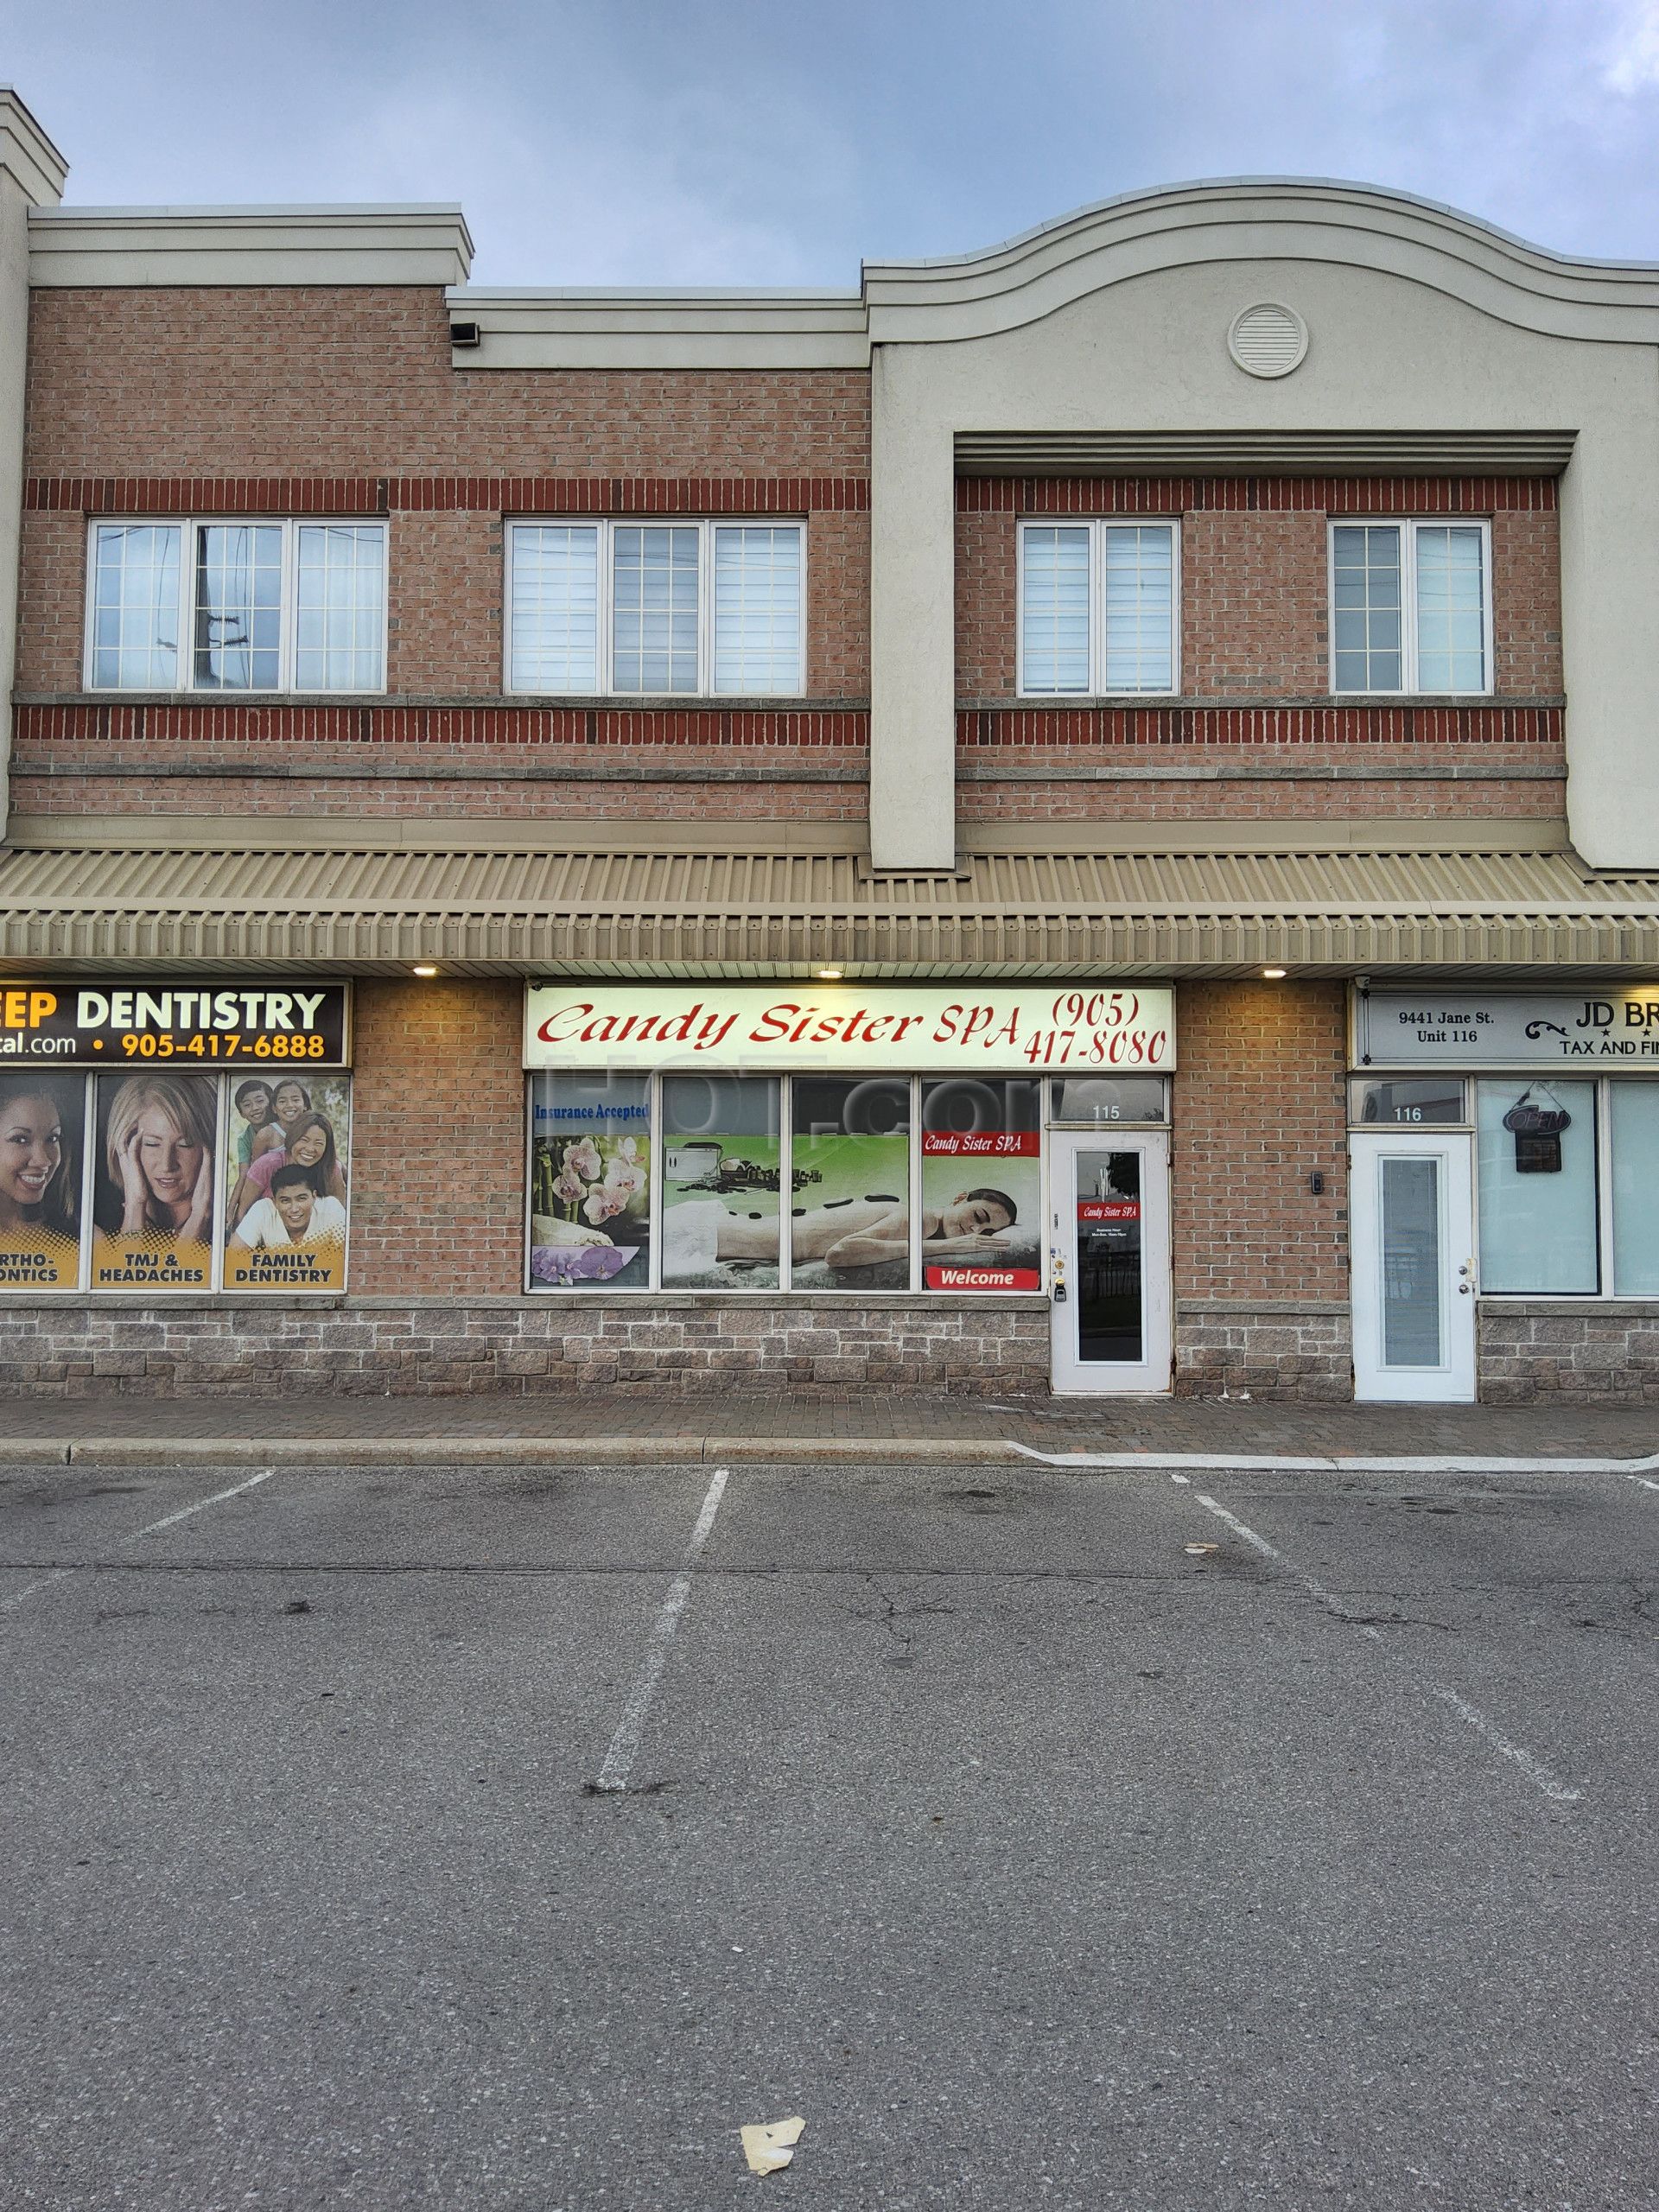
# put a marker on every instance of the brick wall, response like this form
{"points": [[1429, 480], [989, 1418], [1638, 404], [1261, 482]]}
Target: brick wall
{"points": [[438, 1138], [1259, 1107], [1254, 578]]}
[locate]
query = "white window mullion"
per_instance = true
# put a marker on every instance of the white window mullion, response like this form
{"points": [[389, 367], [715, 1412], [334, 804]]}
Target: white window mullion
{"points": [[1409, 681], [606, 596], [705, 609]]}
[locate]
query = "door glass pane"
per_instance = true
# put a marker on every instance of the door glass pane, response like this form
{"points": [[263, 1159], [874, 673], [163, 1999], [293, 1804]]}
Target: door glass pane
{"points": [[1537, 1186], [1414, 1267], [722, 1158], [589, 1182], [849, 1227], [982, 1185], [1110, 1291], [1635, 1189]]}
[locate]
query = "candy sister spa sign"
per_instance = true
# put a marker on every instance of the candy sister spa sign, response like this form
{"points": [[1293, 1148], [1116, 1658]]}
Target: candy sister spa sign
{"points": [[1078, 1029]]}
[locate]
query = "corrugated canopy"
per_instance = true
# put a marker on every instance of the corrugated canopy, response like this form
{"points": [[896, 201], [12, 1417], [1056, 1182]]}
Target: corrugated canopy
{"points": [[486, 899]]}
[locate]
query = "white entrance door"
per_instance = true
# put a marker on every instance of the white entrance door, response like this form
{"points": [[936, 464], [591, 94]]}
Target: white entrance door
{"points": [[1413, 1235], [1108, 1203]]}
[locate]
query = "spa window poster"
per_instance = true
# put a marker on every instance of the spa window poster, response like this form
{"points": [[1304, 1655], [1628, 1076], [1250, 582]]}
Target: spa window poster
{"points": [[590, 1183], [850, 1220], [982, 1185], [723, 1183]]}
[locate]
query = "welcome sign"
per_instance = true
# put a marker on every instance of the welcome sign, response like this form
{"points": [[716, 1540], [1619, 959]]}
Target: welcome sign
{"points": [[1076, 1028]]}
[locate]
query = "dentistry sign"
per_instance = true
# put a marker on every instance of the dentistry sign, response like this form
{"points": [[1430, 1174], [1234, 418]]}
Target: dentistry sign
{"points": [[111, 1022], [1074, 1028], [1427, 1026]]}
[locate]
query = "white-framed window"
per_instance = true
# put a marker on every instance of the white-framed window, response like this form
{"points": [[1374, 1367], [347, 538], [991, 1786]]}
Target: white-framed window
{"points": [[1411, 607], [236, 605], [1099, 608], [652, 608]]}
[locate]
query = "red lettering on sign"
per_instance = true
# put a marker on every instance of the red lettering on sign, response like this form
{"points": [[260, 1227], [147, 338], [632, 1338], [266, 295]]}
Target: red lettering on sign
{"points": [[983, 1278]]}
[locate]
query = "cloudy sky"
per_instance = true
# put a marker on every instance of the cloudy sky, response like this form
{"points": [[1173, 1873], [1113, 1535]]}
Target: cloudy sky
{"points": [[777, 142]]}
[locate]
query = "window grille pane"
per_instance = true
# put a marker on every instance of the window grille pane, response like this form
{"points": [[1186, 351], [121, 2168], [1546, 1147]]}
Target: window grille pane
{"points": [[1537, 1193], [1450, 610], [1366, 614], [1139, 632], [757, 608], [849, 1221], [723, 1183], [1054, 595], [239, 618], [654, 609], [340, 607], [135, 606], [1636, 1190], [555, 608]]}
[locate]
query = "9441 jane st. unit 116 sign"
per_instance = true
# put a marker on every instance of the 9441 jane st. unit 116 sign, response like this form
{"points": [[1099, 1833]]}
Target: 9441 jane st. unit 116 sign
{"points": [[1075, 1027]]}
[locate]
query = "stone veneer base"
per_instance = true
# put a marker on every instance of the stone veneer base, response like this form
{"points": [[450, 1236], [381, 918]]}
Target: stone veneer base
{"points": [[1605, 1354]]}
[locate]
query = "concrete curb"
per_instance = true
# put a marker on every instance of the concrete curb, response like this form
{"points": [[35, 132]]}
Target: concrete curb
{"points": [[488, 1450]]}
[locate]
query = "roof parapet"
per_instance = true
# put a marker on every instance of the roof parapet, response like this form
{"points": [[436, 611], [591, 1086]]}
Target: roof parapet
{"points": [[27, 154], [418, 244]]}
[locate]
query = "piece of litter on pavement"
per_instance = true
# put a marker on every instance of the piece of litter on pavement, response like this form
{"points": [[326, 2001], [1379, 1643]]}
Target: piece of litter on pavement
{"points": [[769, 2148], [1197, 1551]]}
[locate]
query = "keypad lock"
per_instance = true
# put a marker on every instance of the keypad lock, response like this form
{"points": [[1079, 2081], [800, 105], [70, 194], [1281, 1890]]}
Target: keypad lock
{"points": [[1057, 1275]]}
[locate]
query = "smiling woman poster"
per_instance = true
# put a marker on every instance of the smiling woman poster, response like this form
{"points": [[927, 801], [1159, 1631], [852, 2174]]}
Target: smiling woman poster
{"points": [[153, 1211], [43, 1122]]}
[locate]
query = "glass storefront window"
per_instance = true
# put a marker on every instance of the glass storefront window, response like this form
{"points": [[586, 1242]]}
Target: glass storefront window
{"points": [[982, 1185], [1634, 1115], [42, 1150], [287, 1147], [849, 1227], [722, 1180], [590, 1182], [1537, 1146]]}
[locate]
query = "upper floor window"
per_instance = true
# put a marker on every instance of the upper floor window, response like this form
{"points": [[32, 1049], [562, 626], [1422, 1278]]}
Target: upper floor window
{"points": [[1098, 607], [236, 607], [656, 607], [1411, 607]]}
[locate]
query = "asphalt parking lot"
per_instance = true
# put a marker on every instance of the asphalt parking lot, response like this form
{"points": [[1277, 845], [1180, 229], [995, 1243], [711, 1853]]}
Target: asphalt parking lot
{"points": [[1033, 1857]]}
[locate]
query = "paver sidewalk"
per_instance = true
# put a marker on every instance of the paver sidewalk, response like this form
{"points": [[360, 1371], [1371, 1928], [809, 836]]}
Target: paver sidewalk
{"points": [[654, 1426]]}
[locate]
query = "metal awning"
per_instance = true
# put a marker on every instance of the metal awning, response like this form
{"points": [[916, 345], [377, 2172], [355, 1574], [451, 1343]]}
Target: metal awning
{"points": [[492, 900]]}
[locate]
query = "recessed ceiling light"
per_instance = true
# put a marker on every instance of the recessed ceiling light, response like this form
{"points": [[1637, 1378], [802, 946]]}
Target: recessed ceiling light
{"points": [[829, 975], [426, 969], [1274, 974]]}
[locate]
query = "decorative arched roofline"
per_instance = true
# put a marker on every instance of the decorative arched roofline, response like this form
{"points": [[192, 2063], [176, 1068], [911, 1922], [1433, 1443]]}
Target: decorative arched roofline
{"points": [[1256, 219]]}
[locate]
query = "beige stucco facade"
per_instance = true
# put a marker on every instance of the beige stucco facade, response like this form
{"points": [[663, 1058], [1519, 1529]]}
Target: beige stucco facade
{"points": [[1421, 325]]}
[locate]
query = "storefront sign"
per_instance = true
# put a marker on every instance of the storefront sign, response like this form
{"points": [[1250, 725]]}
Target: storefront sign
{"points": [[1429, 1025], [943, 1278], [104, 1023], [933, 1026], [1108, 1208]]}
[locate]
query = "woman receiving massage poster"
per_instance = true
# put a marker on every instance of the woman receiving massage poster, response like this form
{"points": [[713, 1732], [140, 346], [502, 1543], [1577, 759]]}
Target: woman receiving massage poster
{"points": [[285, 1184]]}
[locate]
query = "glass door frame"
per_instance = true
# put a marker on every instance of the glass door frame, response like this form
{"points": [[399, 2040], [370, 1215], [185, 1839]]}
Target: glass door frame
{"points": [[1453, 1381], [1153, 1374]]}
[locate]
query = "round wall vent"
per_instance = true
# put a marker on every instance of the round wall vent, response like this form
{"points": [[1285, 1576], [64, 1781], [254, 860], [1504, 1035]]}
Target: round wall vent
{"points": [[1268, 339]]}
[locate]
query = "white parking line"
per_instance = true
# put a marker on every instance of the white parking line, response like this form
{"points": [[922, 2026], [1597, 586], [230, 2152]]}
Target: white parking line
{"points": [[625, 1744], [1534, 1770], [167, 1521]]}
